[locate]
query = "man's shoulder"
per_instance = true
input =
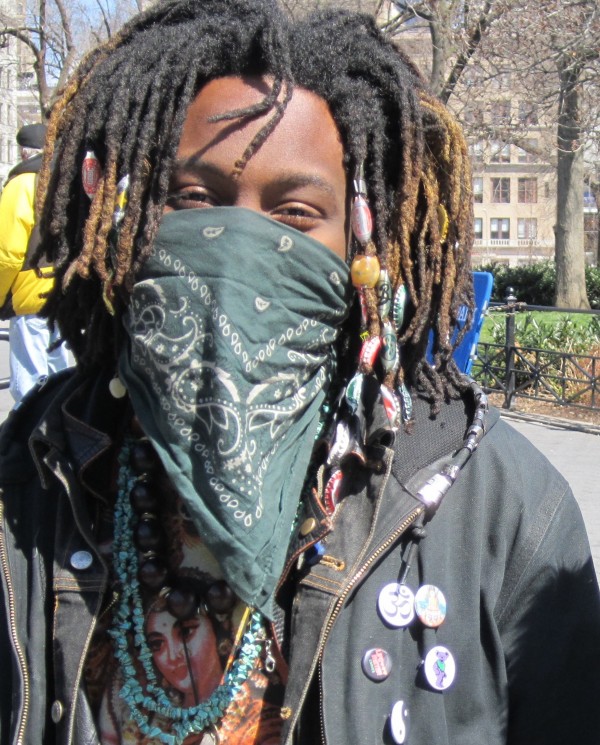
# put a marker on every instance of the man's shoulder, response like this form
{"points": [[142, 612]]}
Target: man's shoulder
{"points": [[16, 463]]}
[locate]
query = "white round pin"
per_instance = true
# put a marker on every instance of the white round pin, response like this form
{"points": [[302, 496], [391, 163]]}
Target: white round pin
{"points": [[440, 668], [399, 723], [396, 604]]}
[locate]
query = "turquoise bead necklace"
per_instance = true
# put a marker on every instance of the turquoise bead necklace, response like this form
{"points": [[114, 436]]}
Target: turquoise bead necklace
{"points": [[128, 630]]}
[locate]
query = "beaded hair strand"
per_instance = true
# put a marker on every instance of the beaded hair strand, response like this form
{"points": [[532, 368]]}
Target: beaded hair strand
{"points": [[128, 102]]}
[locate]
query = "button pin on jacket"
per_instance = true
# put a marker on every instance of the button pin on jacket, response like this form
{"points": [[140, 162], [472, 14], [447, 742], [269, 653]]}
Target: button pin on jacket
{"points": [[81, 560], [376, 664], [440, 668], [399, 723], [396, 604], [430, 605]]}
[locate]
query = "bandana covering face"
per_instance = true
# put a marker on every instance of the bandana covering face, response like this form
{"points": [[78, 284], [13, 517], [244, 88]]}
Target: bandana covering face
{"points": [[231, 326]]}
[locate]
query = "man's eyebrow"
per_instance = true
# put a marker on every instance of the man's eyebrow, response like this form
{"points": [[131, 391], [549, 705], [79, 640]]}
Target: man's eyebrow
{"points": [[287, 179]]}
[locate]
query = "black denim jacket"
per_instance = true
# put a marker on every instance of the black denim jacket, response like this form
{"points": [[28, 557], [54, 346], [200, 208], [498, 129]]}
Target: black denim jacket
{"points": [[507, 547]]}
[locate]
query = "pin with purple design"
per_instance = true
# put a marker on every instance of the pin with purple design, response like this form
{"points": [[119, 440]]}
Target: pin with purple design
{"points": [[396, 604], [440, 668]]}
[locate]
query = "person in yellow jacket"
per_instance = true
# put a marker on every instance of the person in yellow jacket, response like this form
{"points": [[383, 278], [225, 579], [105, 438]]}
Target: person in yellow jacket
{"points": [[23, 290]]}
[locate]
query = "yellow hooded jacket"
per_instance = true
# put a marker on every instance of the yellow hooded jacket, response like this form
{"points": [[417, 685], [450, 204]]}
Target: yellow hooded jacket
{"points": [[16, 223]]}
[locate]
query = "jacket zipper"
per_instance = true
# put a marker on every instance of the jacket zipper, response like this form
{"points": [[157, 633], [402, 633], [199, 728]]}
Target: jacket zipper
{"points": [[13, 630], [390, 540]]}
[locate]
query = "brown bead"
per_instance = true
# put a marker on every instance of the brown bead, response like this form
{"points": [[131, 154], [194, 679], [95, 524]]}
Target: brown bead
{"points": [[148, 535], [153, 574], [143, 458], [182, 604], [143, 498], [365, 271], [220, 598]]}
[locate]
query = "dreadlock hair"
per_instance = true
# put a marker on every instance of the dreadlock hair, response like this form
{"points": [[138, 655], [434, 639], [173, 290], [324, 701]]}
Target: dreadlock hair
{"points": [[128, 102]]}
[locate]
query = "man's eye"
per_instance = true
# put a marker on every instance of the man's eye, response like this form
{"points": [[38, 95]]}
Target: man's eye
{"points": [[190, 199], [298, 216]]}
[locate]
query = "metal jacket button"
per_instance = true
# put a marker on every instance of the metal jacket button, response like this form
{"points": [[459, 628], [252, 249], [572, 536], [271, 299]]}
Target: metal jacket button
{"points": [[81, 560], [56, 711], [308, 526]]}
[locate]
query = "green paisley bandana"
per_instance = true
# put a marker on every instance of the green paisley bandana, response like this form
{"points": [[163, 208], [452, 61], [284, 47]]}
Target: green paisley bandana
{"points": [[231, 328]]}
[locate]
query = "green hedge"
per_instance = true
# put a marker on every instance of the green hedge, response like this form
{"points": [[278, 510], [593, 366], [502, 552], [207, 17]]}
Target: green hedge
{"points": [[534, 283]]}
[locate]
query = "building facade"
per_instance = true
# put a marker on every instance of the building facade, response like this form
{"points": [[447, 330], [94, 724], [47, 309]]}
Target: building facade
{"points": [[9, 68], [514, 185]]}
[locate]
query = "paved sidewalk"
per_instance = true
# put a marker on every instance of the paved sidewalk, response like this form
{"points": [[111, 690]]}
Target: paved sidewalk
{"points": [[576, 454]]}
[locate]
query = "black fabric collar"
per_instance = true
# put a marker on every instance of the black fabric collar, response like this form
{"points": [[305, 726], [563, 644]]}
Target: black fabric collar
{"points": [[432, 438]]}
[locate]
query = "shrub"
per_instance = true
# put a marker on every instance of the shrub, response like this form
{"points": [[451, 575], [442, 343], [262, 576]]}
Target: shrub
{"points": [[535, 284], [592, 282], [532, 283]]}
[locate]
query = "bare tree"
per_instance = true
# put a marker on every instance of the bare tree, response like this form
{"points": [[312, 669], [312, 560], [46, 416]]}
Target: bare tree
{"points": [[550, 49], [55, 34]]}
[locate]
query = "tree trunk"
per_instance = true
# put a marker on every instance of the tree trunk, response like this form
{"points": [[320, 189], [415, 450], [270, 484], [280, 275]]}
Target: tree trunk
{"points": [[438, 28], [569, 248]]}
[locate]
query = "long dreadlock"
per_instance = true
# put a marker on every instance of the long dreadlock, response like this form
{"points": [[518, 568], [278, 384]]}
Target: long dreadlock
{"points": [[128, 101]]}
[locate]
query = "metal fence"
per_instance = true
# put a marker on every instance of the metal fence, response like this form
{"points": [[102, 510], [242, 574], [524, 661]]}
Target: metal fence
{"points": [[552, 376]]}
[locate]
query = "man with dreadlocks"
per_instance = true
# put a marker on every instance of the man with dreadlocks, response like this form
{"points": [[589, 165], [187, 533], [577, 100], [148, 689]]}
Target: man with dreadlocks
{"points": [[260, 511]]}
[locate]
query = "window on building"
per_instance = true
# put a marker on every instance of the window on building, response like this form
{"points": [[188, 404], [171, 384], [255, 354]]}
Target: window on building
{"points": [[476, 152], [528, 191], [591, 224], [500, 112], [473, 114], [478, 228], [527, 113], [478, 189], [500, 152], [500, 228], [501, 190], [589, 200], [472, 75], [525, 155], [527, 228]]}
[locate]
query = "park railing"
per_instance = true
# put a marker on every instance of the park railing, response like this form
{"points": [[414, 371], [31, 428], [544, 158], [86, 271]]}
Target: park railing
{"points": [[558, 377]]}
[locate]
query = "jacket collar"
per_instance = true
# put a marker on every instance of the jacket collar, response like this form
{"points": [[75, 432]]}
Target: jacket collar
{"points": [[79, 423]]}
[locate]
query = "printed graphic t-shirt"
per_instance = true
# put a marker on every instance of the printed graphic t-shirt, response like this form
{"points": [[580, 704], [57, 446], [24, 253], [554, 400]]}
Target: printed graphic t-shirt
{"points": [[189, 657]]}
